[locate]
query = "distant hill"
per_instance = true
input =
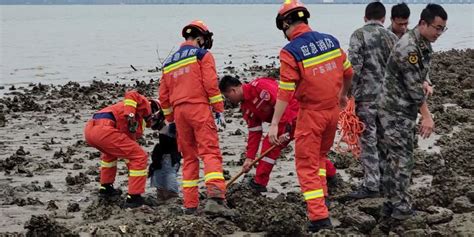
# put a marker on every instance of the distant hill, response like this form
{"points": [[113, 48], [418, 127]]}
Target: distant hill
{"points": [[52, 2]]}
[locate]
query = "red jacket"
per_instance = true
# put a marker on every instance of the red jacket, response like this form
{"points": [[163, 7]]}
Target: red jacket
{"points": [[258, 106], [189, 76], [312, 67], [133, 103]]}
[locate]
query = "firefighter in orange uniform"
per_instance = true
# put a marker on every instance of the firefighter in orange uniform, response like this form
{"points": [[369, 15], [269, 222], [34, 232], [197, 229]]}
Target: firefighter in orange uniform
{"points": [[315, 70], [114, 131], [188, 90]]}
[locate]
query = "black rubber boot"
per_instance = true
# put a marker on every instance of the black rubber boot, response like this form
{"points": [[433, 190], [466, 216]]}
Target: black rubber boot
{"points": [[259, 188], [218, 207], [107, 191], [362, 193], [315, 226], [190, 211], [134, 201]]}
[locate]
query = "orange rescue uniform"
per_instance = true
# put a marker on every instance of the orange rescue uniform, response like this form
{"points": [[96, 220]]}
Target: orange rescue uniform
{"points": [[187, 90], [313, 67], [108, 132]]}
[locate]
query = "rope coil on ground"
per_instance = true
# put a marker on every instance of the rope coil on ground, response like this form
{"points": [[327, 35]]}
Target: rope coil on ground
{"points": [[351, 129]]}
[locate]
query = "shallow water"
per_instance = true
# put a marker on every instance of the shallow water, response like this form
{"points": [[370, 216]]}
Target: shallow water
{"points": [[55, 44]]}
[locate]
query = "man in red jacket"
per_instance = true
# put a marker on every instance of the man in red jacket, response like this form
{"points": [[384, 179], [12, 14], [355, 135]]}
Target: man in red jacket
{"points": [[114, 131], [257, 101], [188, 91]]}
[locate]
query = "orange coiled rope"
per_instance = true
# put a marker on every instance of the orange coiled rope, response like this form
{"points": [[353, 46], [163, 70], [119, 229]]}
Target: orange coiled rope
{"points": [[351, 129]]}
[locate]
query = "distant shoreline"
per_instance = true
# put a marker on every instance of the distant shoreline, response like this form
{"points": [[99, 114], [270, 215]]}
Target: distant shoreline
{"points": [[163, 2]]}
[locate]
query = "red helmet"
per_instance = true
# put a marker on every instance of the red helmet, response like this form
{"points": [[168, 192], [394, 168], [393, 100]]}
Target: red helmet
{"points": [[198, 28], [291, 10]]}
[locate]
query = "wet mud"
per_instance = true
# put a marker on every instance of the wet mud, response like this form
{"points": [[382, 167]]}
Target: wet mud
{"points": [[47, 169]]}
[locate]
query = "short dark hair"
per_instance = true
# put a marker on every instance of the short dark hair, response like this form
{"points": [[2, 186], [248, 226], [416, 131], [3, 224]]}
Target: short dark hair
{"points": [[375, 11], [400, 10], [227, 82], [431, 11]]}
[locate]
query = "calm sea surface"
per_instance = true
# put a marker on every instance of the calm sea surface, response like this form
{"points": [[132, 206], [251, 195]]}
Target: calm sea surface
{"points": [[55, 44]]}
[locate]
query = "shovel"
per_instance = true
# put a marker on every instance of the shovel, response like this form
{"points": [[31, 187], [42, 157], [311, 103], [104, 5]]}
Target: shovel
{"points": [[283, 137]]}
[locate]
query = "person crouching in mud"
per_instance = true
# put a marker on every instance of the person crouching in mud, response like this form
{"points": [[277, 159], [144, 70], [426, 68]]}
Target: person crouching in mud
{"points": [[114, 131]]}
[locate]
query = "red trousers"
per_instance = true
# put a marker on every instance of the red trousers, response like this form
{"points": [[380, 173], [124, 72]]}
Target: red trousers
{"points": [[113, 144], [314, 136], [197, 137], [265, 165]]}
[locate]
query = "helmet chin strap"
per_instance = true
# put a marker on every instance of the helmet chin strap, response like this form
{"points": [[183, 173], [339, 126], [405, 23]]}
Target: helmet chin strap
{"points": [[200, 43], [285, 28]]}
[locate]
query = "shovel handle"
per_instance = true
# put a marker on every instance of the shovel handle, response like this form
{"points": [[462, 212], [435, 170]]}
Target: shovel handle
{"points": [[252, 164]]}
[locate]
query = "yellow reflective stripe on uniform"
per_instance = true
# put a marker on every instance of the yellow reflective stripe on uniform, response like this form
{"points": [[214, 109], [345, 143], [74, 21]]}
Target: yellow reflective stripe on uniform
{"points": [[137, 173], [289, 86], [167, 111], [347, 64], [318, 193], [179, 64], [190, 183], [321, 58], [106, 164], [143, 125], [216, 99], [129, 102], [322, 172], [213, 175]]}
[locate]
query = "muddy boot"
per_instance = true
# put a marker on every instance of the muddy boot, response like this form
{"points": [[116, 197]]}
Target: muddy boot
{"points": [[108, 192], [134, 201], [164, 195], [402, 215], [257, 187], [217, 206], [190, 211], [362, 193], [315, 226]]}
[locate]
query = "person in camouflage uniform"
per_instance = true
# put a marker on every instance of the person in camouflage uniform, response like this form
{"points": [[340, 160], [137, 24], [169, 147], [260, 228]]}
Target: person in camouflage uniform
{"points": [[369, 49], [401, 98], [400, 15]]}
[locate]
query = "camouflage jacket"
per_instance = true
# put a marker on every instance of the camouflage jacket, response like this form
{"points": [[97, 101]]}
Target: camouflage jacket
{"points": [[369, 49], [407, 68]]}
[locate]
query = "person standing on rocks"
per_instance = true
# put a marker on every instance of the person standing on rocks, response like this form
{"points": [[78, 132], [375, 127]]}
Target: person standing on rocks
{"points": [[317, 72], [369, 49], [188, 91], [399, 26], [399, 102], [114, 131], [257, 101]]}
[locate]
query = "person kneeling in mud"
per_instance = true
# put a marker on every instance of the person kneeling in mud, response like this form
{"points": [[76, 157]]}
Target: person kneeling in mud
{"points": [[114, 131], [257, 101], [165, 164]]}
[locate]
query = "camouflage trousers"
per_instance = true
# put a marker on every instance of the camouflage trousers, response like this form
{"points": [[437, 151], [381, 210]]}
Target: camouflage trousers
{"points": [[367, 113], [395, 145]]}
